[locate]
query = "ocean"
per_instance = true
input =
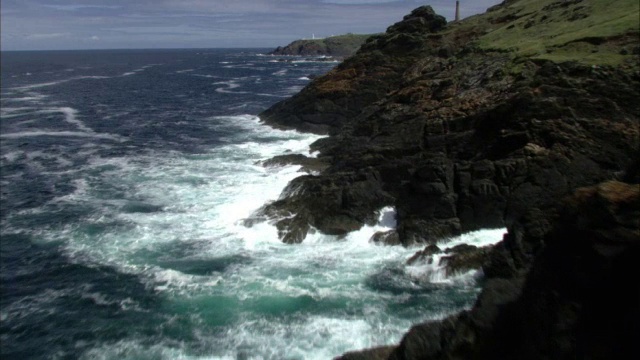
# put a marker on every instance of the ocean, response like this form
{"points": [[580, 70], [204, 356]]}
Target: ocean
{"points": [[125, 179]]}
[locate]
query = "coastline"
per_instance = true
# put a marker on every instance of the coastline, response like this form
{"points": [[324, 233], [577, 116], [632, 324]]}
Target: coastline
{"points": [[461, 129]]}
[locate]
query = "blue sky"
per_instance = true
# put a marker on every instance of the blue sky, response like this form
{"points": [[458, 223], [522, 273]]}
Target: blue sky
{"points": [[111, 24]]}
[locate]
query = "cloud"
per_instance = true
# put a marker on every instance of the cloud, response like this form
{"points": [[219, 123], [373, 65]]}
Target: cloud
{"points": [[358, 2], [72, 7], [46, 36], [95, 38]]}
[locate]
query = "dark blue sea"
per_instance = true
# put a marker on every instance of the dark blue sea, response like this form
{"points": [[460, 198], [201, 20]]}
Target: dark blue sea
{"points": [[125, 177]]}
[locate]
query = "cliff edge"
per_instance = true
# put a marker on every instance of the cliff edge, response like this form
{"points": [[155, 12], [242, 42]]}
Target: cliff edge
{"points": [[490, 122]]}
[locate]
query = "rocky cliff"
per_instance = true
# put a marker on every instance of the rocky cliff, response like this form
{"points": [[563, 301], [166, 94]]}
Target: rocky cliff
{"points": [[336, 46], [490, 122], [462, 131]]}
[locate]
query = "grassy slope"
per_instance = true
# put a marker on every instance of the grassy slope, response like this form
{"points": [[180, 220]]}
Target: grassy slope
{"points": [[585, 31]]}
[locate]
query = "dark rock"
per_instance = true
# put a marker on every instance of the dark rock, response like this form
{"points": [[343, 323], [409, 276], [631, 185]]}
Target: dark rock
{"points": [[556, 311], [309, 164], [424, 255], [464, 258], [334, 205], [378, 353], [386, 237]]}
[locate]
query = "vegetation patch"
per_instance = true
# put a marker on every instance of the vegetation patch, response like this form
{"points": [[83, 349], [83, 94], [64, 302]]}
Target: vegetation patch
{"points": [[557, 30]]}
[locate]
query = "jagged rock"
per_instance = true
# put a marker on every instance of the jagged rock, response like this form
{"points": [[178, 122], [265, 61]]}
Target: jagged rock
{"points": [[335, 205], [576, 300], [309, 164], [424, 254], [386, 237], [379, 353], [463, 258]]}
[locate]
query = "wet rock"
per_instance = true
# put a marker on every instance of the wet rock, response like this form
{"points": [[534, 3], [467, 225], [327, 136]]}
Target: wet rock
{"points": [[425, 255], [584, 254], [463, 258], [309, 164], [378, 353], [386, 238]]}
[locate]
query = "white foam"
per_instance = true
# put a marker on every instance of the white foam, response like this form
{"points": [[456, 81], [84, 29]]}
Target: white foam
{"points": [[13, 112], [293, 89], [139, 349], [141, 69], [94, 77], [39, 85], [273, 95], [70, 116], [33, 97], [434, 270], [53, 83], [34, 133], [304, 78], [317, 337], [229, 86]]}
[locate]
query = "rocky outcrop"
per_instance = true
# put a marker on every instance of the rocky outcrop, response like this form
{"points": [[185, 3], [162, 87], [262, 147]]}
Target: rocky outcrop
{"points": [[456, 134], [579, 299], [309, 165], [335, 46], [359, 81]]}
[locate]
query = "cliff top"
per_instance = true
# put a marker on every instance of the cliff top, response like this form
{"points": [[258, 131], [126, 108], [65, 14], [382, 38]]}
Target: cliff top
{"points": [[593, 32]]}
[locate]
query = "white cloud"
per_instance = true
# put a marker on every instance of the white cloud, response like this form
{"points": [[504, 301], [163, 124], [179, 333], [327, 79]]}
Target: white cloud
{"points": [[95, 38], [79, 7], [357, 2], [46, 36]]}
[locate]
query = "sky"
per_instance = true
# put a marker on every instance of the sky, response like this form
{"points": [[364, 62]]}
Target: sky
{"points": [[145, 24]]}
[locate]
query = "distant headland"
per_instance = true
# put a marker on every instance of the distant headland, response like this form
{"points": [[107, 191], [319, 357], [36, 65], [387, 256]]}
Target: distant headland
{"points": [[338, 46]]}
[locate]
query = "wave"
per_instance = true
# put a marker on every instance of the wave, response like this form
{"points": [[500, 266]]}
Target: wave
{"points": [[53, 83], [35, 133]]}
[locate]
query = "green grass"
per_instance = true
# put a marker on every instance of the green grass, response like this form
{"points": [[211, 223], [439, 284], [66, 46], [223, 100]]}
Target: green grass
{"points": [[558, 33]]}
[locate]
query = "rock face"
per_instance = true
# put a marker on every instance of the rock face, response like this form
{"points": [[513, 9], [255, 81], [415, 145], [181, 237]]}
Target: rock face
{"points": [[456, 134], [580, 298], [337, 46]]}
